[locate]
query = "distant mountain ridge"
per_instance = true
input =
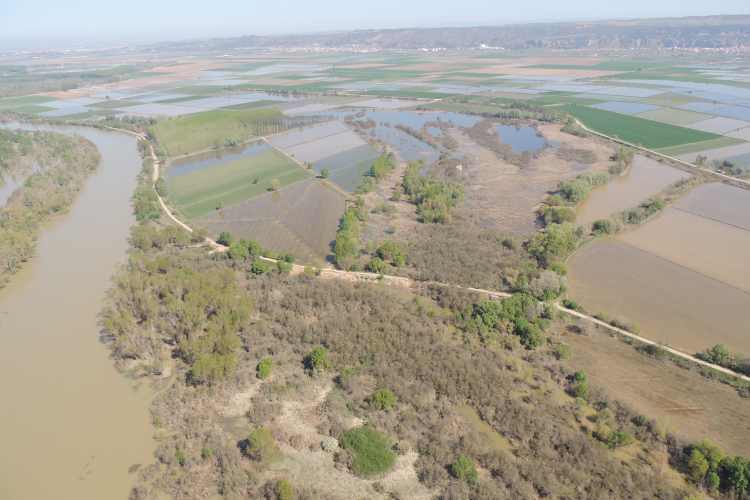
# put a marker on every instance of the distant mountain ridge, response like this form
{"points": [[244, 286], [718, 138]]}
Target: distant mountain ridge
{"points": [[687, 32]]}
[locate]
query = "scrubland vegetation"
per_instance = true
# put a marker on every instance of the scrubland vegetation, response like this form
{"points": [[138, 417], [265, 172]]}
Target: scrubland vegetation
{"points": [[64, 164], [220, 323], [205, 130]]}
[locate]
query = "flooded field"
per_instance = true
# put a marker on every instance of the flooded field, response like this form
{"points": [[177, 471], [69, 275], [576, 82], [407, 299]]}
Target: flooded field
{"points": [[692, 241], [406, 147], [68, 415], [301, 219], [720, 202], [214, 157], [671, 303], [645, 178], [490, 436], [325, 147]]}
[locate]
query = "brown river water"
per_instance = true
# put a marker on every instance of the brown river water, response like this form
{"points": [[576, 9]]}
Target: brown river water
{"points": [[643, 179], [72, 425]]}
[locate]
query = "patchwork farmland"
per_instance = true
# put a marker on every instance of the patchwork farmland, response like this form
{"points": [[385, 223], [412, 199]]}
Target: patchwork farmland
{"points": [[201, 192], [301, 219]]}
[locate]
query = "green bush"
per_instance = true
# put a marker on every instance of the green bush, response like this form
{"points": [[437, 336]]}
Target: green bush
{"points": [[207, 453], [464, 468], [264, 368], [288, 257], [580, 376], [319, 359], [384, 398], [284, 490], [260, 444], [180, 457], [562, 351], [376, 265], [617, 439], [238, 252], [225, 238], [284, 267], [582, 390], [372, 451], [259, 268], [324, 172]]}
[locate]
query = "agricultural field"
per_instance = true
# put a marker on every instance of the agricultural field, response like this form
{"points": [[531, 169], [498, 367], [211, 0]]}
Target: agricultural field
{"points": [[652, 135], [301, 219], [200, 192], [197, 132]]}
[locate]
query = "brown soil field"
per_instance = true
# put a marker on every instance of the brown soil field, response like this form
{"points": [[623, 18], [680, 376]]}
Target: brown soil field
{"points": [[696, 406], [506, 197], [302, 219]]}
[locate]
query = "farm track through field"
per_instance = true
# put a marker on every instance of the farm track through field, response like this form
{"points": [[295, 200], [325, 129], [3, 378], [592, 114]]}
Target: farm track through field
{"points": [[330, 273]]}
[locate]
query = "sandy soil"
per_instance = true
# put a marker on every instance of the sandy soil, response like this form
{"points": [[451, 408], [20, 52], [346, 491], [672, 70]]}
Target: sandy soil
{"points": [[505, 197], [697, 406]]}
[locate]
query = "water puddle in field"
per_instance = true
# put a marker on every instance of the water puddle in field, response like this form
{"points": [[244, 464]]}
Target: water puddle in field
{"points": [[491, 437], [58, 383], [644, 178], [214, 157]]}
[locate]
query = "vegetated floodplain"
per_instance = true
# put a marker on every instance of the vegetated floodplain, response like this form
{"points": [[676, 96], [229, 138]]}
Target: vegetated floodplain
{"points": [[644, 178], [301, 219], [201, 192], [650, 134], [203, 130]]}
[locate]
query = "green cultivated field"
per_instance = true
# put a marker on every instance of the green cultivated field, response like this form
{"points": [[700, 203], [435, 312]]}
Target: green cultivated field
{"points": [[24, 101], [700, 146], [182, 99], [250, 105], [406, 93], [674, 116], [561, 99], [199, 131], [198, 193], [33, 109], [650, 134]]}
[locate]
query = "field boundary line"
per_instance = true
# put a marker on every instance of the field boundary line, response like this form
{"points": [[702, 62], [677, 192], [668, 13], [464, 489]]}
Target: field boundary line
{"points": [[651, 342], [641, 148]]}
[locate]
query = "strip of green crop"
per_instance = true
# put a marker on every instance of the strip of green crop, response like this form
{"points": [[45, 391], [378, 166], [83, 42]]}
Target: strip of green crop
{"points": [[25, 101], [650, 134], [199, 193]]}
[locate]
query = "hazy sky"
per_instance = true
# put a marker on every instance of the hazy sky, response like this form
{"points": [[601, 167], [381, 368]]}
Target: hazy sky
{"points": [[43, 21]]}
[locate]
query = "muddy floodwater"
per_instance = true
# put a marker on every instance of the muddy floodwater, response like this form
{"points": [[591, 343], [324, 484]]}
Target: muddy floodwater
{"points": [[645, 178], [684, 277], [490, 436], [71, 425]]}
